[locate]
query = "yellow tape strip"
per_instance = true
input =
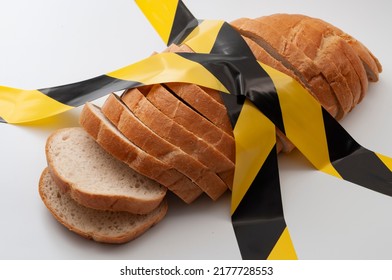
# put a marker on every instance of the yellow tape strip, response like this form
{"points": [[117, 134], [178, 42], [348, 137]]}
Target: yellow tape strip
{"points": [[284, 248], [18, 105], [203, 37], [303, 121], [160, 14], [386, 160], [168, 67], [254, 137]]}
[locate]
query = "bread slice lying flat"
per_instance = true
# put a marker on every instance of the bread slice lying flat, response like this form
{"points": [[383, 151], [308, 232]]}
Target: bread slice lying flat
{"points": [[101, 226], [113, 141], [94, 178]]}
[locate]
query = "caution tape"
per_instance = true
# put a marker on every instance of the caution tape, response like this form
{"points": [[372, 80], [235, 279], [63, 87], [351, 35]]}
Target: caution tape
{"points": [[260, 98]]}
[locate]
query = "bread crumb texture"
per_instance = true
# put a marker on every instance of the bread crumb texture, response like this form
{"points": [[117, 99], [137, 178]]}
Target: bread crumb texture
{"points": [[109, 226], [77, 157]]}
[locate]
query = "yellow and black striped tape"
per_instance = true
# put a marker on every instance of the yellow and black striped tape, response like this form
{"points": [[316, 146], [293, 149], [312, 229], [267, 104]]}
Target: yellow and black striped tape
{"points": [[290, 108], [260, 98]]}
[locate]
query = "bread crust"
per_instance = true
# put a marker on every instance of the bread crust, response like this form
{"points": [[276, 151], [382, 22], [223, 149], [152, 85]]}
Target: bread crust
{"points": [[177, 110], [317, 29], [153, 218], [156, 146], [127, 152], [179, 136], [326, 52], [304, 44], [206, 101], [369, 61], [303, 68]]}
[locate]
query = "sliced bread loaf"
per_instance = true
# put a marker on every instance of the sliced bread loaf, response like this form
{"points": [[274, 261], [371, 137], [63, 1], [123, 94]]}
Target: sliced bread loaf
{"points": [[295, 60], [176, 134], [306, 45], [312, 37], [207, 102], [184, 115], [94, 178], [325, 29], [142, 136], [204, 103], [113, 141], [326, 52], [101, 226]]}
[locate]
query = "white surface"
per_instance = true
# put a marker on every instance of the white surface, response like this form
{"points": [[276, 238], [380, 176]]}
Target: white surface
{"points": [[47, 43]]}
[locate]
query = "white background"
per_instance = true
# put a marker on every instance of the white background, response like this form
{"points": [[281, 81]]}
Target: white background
{"points": [[48, 43]]}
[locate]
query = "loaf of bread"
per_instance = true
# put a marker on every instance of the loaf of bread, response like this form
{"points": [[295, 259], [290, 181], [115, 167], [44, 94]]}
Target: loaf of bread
{"points": [[332, 65], [179, 136]]}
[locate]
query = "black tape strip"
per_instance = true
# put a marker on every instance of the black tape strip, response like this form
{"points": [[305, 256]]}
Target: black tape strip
{"points": [[234, 65], [353, 162], [243, 76], [258, 221], [340, 143], [233, 104], [76, 94], [230, 42], [183, 24]]}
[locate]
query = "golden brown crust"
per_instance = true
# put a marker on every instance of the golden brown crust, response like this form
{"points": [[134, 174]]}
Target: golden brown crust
{"points": [[331, 64], [316, 30], [206, 101], [298, 64], [370, 62], [125, 151], [158, 147], [326, 54], [175, 109], [179, 136]]}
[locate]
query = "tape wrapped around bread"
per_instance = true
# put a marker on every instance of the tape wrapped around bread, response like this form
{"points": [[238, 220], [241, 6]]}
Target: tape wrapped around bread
{"points": [[261, 98]]}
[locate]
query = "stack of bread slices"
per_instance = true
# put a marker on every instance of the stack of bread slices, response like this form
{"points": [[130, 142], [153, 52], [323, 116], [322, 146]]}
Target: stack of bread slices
{"points": [[107, 179]]}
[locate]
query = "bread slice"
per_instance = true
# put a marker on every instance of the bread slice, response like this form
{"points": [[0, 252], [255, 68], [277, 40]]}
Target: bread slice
{"points": [[101, 226], [113, 141], [202, 101], [145, 138], [182, 138], [94, 178], [184, 115], [205, 101]]}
